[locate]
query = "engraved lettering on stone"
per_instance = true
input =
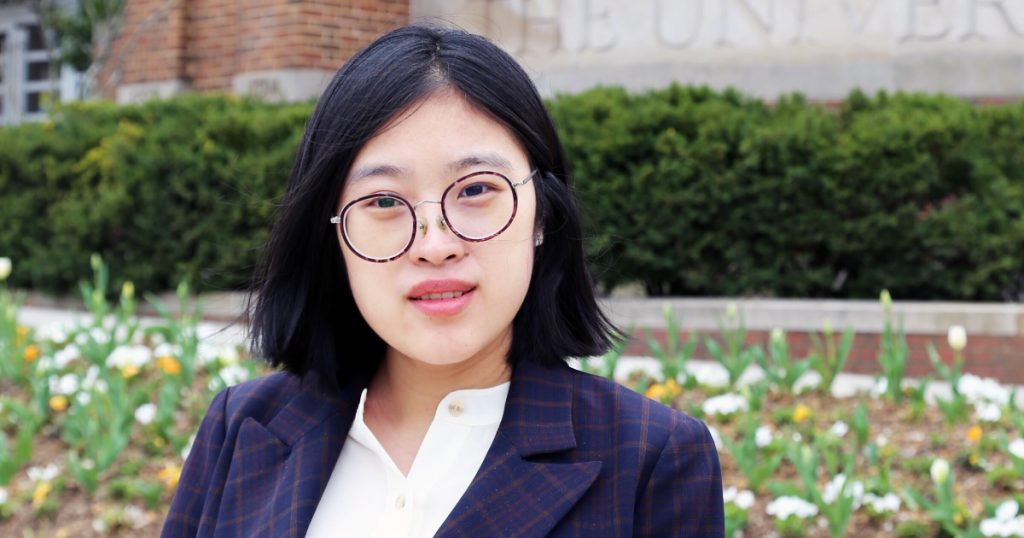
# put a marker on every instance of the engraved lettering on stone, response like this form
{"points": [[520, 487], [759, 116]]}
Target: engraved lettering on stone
{"points": [[595, 15], [857, 21], [999, 6], [801, 25], [663, 21], [552, 23], [765, 22], [913, 32], [266, 88]]}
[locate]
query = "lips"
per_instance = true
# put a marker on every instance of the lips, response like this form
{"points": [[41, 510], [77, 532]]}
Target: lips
{"points": [[432, 290], [445, 297]]}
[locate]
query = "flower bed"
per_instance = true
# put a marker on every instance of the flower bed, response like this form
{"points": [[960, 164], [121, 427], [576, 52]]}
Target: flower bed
{"points": [[96, 421]]}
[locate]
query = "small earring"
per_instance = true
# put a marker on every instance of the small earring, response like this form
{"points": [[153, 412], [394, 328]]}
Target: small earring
{"points": [[538, 239]]}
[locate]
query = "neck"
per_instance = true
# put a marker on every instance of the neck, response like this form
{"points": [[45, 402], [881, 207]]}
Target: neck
{"points": [[408, 390]]}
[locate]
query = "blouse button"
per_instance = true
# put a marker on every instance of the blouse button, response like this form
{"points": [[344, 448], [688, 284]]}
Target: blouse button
{"points": [[400, 502], [456, 408]]}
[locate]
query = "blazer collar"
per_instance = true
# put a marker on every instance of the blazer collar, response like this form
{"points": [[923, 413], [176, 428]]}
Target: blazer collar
{"points": [[537, 420]]}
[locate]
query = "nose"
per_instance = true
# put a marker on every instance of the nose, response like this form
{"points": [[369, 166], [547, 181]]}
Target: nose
{"points": [[435, 243]]}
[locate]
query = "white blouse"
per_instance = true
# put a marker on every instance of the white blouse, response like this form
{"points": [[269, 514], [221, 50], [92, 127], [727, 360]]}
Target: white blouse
{"points": [[367, 496]]}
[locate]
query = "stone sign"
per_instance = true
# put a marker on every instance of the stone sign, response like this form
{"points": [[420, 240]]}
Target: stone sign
{"points": [[823, 48]]}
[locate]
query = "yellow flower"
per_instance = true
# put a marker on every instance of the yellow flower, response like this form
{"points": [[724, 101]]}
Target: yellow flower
{"points": [[673, 387], [31, 352], [958, 518], [128, 289], [158, 442], [59, 402], [168, 364], [974, 434], [39, 495], [130, 371], [802, 413], [973, 459], [170, 475], [22, 333], [657, 392]]}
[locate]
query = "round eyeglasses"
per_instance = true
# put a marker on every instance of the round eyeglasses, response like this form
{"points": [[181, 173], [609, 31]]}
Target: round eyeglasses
{"points": [[380, 227]]}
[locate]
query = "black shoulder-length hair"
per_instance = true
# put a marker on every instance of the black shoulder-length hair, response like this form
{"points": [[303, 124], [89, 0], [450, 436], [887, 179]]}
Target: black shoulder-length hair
{"points": [[300, 310]]}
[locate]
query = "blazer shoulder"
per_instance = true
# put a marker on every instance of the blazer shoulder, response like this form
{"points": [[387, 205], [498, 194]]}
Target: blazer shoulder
{"points": [[260, 399], [637, 418]]}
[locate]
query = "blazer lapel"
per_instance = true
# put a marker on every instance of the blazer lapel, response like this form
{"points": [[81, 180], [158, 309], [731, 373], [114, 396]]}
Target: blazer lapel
{"points": [[284, 466], [510, 495]]}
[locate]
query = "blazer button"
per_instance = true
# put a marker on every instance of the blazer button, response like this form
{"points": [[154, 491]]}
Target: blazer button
{"points": [[456, 408], [400, 502]]}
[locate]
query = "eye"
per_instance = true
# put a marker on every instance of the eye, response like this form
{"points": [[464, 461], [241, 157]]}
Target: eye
{"points": [[475, 189], [385, 203]]}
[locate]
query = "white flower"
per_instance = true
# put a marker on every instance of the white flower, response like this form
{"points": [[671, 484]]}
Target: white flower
{"points": [[832, 489], [881, 440], [157, 338], [65, 384], [145, 413], [712, 377], [940, 471], [83, 398], [987, 412], [40, 474], [744, 500], [1007, 510], [725, 404], [99, 335], [234, 374], [840, 428], [205, 353], [124, 356], [1017, 448], [797, 437], [763, 437], [717, 437], [5, 268], [89, 381], [229, 355], [889, 503], [881, 386], [66, 355], [783, 507], [741, 499], [1006, 522], [3, 496], [778, 336], [167, 350], [55, 332], [974, 388], [188, 447], [957, 337], [81, 338]]}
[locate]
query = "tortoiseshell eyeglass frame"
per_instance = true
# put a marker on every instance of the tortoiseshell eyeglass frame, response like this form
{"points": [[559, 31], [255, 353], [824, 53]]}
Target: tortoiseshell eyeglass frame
{"points": [[339, 219]]}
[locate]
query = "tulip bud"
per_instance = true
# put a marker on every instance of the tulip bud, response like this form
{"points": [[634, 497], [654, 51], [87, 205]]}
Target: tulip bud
{"points": [[940, 471], [778, 336], [5, 268], [957, 337], [95, 261], [128, 289], [730, 310], [827, 327], [666, 309], [886, 299]]}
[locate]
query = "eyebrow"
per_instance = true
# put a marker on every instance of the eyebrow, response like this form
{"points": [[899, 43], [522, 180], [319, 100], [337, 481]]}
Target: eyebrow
{"points": [[492, 159]]}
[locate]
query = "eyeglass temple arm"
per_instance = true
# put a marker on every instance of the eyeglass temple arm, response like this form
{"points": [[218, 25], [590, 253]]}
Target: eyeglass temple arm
{"points": [[523, 182]]}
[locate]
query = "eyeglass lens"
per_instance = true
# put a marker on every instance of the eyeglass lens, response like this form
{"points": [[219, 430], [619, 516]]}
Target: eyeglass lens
{"points": [[476, 208]]}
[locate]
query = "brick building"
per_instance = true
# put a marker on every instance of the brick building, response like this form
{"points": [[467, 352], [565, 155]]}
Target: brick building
{"points": [[276, 49]]}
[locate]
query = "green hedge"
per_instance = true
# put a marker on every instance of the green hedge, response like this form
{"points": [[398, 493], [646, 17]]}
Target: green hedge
{"points": [[687, 190]]}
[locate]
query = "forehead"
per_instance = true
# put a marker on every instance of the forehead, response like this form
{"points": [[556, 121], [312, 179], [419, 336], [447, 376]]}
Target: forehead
{"points": [[437, 135]]}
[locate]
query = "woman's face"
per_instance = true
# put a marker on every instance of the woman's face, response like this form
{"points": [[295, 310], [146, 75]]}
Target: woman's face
{"points": [[418, 156]]}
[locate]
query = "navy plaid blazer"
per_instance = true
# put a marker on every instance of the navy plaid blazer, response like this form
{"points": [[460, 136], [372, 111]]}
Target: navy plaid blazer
{"points": [[575, 455]]}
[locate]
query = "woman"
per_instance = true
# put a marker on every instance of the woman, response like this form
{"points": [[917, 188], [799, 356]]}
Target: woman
{"points": [[422, 290]]}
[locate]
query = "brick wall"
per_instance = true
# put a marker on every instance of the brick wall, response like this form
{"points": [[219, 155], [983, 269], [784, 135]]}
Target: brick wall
{"points": [[985, 355], [207, 42]]}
